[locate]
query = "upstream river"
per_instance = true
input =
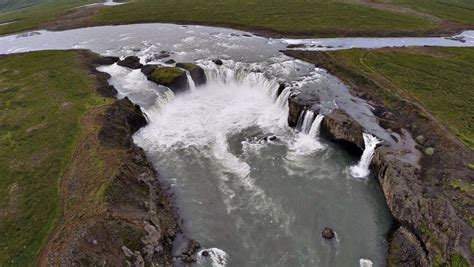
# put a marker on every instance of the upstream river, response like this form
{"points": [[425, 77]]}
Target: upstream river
{"points": [[251, 190]]}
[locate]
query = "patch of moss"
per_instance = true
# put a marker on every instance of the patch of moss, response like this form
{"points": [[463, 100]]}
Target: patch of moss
{"points": [[187, 66], [166, 75], [471, 166], [462, 185], [458, 260]]}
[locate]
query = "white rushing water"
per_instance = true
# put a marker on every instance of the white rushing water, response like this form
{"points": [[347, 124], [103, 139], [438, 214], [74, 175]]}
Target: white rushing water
{"points": [[308, 118], [316, 126], [362, 168]]}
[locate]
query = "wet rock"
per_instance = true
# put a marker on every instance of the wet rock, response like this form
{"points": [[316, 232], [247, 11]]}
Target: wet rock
{"points": [[121, 120], [300, 102], [405, 250], [295, 46], [132, 62], [205, 253], [272, 138], [281, 87], [170, 61], [328, 233], [218, 62], [105, 60], [197, 73], [149, 68], [421, 139], [171, 77], [338, 126]]}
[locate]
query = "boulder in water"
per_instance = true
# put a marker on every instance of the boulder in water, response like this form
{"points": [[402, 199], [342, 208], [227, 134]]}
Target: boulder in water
{"points": [[147, 69], [205, 253], [132, 62], [171, 77], [295, 46], [170, 61], [218, 62], [105, 60], [328, 233], [197, 73]]}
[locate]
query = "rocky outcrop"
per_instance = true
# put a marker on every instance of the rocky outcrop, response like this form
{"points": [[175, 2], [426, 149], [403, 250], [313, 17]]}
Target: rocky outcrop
{"points": [[107, 60], [121, 119], [298, 103], [132, 62], [405, 250], [149, 68], [338, 126], [171, 77], [197, 73]]}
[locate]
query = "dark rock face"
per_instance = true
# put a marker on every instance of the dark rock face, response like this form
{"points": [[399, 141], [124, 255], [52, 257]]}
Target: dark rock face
{"points": [[281, 87], [188, 254], [131, 62], [405, 250], [121, 118], [328, 233], [295, 46], [338, 126], [299, 103], [418, 207], [197, 73]]}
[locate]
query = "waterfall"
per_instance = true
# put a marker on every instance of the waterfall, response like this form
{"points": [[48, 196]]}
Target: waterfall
{"points": [[307, 121], [282, 99], [316, 126], [192, 85], [362, 168], [365, 263]]}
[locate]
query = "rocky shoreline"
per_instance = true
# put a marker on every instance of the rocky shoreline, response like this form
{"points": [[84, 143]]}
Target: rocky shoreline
{"points": [[433, 218], [124, 215]]}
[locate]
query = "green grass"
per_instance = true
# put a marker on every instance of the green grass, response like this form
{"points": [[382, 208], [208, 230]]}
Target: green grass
{"points": [[441, 79], [309, 17], [166, 75], [34, 13], [454, 10], [43, 96]]}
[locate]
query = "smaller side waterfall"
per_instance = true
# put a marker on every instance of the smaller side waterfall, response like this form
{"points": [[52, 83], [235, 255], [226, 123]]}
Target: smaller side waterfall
{"points": [[307, 121], [362, 168], [192, 84], [316, 126]]}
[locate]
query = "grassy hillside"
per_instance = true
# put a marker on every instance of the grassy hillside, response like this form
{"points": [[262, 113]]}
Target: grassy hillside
{"points": [[297, 17], [43, 96], [441, 79], [454, 10]]}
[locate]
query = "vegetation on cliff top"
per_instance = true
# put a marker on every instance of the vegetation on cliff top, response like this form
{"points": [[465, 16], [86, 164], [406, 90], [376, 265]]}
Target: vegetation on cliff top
{"points": [[43, 96]]}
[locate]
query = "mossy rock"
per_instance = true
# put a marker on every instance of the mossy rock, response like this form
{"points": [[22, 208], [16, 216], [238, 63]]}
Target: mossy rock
{"points": [[171, 77], [197, 73]]}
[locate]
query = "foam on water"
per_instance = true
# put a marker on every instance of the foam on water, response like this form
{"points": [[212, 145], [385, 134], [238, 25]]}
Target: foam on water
{"points": [[365, 263], [362, 168], [218, 257]]}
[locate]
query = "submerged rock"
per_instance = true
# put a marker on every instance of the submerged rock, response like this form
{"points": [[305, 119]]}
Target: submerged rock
{"points": [[197, 73], [295, 46], [132, 62], [171, 77], [328, 233]]}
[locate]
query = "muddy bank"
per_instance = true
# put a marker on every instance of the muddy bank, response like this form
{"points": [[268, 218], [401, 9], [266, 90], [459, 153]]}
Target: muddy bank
{"points": [[121, 214], [433, 216]]}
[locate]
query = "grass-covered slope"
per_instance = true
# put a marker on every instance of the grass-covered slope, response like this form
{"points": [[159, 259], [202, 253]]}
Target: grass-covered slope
{"points": [[441, 79], [297, 17], [269, 17], [43, 97]]}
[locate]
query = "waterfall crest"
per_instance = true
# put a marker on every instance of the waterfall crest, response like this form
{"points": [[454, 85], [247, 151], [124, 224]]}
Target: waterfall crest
{"points": [[362, 168]]}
